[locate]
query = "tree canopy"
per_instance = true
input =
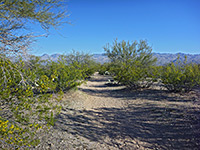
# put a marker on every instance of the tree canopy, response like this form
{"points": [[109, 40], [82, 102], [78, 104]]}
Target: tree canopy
{"points": [[132, 63], [28, 103], [125, 51], [17, 15]]}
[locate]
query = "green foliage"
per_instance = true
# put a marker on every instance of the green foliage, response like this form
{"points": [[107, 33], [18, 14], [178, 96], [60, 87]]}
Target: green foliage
{"points": [[66, 75], [135, 75], [30, 92], [17, 15], [85, 62], [125, 51], [41, 11], [180, 77], [70, 70], [26, 107], [131, 63], [104, 67], [26, 101]]}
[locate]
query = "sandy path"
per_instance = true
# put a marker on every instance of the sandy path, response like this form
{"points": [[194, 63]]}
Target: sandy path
{"points": [[99, 94], [111, 117]]}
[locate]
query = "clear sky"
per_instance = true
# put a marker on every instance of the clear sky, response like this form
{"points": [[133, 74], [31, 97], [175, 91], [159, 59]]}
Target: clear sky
{"points": [[169, 26]]}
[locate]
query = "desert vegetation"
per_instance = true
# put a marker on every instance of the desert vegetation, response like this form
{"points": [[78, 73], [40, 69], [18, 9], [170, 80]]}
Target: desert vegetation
{"points": [[180, 76], [133, 65], [32, 89]]}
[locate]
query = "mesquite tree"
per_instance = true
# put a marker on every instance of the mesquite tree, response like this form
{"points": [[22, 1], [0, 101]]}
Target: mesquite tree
{"points": [[17, 15], [132, 63]]}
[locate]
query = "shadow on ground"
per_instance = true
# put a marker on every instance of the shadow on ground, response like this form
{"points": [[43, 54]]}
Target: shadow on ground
{"points": [[147, 124], [148, 94], [106, 90], [156, 127]]}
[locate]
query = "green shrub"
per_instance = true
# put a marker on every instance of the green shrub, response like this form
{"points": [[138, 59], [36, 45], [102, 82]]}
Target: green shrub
{"points": [[25, 103], [26, 108], [28, 100], [66, 75], [70, 70], [135, 75], [131, 63], [85, 62], [104, 67], [180, 77]]}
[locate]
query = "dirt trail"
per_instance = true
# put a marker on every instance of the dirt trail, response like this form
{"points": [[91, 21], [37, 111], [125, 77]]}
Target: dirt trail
{"points": [[98, 116], [101, 95]]}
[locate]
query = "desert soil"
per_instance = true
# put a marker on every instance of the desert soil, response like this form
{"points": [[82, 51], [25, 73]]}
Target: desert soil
{"points": [[105, 117]]}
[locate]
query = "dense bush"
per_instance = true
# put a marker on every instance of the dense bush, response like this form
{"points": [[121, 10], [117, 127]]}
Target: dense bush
{"points": [[66, 75], [30, 92], [180, 77], [85, 62], [103, 68], [132, 63], [25, 99], [23, 111], [135, 75]]}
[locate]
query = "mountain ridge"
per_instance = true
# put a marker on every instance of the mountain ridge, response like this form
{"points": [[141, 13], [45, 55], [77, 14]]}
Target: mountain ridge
{"points": [[162, 58]]}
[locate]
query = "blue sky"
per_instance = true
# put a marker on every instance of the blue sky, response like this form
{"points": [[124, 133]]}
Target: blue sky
{"points": [[169, 26]]}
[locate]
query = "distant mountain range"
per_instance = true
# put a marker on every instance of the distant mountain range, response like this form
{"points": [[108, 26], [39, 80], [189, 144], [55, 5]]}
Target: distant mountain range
{"points": [[162, 58]]}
